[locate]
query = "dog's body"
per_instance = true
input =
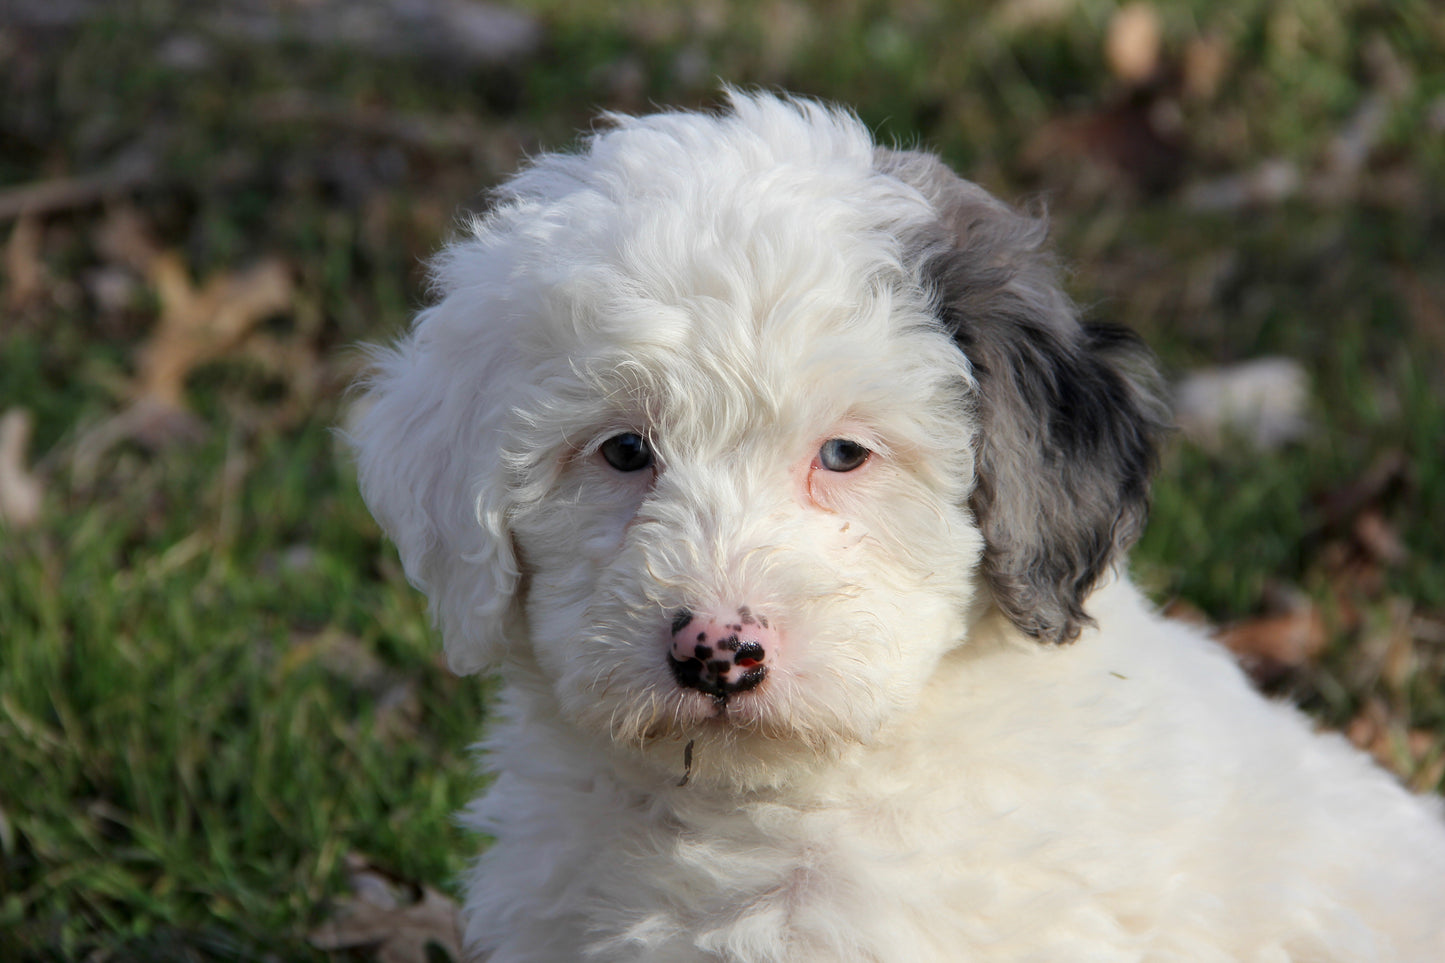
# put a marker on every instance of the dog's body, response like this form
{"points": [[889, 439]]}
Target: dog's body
{"points": [[776, 475]]}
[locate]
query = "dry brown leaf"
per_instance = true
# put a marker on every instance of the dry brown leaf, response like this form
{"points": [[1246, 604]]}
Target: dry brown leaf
{"points": [[1386, 476], [20, 491], [1206, 63], [1370, 730], [1378, 538], [1353, 578], [1427, 756], [399, 930], [1390, 472], [1182, 610], [1415, 755], [1133, 43], [1270, 645], [124, 238], [1122, 145], [197, 326], [1386, 648], [24, 270], [295, 361]]}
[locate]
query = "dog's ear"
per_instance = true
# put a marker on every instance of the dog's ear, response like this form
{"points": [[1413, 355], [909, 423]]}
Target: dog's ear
{"points": [[1069, 415], [426, 434]]}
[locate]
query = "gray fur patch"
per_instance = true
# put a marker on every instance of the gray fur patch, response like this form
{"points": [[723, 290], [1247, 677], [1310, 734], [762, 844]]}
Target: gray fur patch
{"points": [[1070, 414]]}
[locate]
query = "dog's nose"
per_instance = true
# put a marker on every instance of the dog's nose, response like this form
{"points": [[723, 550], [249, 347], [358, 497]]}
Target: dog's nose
{"points": [[721, 655]]}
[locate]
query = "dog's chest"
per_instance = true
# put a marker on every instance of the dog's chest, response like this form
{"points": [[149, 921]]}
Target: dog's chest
{"points": [[709, 880]]}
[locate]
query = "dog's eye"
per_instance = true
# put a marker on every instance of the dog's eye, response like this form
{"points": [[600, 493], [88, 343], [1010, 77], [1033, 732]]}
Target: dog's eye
{"points": [[840, 454], [627, 452]]}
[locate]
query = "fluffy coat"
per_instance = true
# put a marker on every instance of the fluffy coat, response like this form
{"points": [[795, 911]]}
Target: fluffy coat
{"points": [[751, 366]]}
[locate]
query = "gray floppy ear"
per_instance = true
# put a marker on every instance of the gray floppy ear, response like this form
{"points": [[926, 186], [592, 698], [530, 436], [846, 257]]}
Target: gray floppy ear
{"points": [[1069, 414]]}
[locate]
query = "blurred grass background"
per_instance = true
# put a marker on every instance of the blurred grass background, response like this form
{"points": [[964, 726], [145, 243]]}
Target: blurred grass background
{"points": [[218, 697]]}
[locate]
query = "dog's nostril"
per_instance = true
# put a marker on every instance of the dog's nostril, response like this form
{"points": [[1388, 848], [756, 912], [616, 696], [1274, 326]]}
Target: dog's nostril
{"points": [[749, 654], [718, 656]]}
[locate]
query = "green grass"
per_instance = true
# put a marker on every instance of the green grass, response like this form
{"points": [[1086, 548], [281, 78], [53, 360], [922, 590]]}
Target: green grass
{"points": [[214, 682], [185, 718]]}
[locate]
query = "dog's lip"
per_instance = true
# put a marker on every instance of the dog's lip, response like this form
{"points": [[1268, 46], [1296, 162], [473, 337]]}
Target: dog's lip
{"points": [[735, 710]]}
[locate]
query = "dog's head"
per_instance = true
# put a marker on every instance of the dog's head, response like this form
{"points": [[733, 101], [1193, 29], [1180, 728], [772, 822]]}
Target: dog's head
{"points": [[726, 426]]}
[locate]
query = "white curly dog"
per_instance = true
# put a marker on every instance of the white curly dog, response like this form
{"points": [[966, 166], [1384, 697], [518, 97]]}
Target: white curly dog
{"points": [[786, 491]]}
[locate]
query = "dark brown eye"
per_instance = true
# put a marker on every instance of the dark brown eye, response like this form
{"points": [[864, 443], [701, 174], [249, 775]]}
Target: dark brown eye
{"points": [[840, 454], [627, 452]]}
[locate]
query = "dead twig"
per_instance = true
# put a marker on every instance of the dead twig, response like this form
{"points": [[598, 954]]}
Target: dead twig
{"points": [[133, 169], [414, 130]]}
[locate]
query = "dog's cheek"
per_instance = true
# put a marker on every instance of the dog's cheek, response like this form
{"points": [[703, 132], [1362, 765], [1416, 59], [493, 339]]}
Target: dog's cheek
{"points": [[908, 551], [890, 512], [834, 492], [560, 545], [585, 515], [920, 543], [567, 540]]}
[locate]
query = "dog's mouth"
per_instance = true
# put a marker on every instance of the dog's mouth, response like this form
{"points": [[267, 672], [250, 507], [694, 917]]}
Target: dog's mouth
{"points": [[725, 714], [725, 708]]}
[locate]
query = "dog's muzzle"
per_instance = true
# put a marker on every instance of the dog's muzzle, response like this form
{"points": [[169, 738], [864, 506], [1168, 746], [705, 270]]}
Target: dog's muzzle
{"points": [[720, 656]]}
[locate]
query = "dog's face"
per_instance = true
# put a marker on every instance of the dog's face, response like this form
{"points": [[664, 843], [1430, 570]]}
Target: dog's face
{"points": [[722, 429], [750, 513]]}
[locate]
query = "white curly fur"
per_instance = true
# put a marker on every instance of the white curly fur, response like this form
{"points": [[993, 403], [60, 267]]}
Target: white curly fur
{"points": [[920, 776]]}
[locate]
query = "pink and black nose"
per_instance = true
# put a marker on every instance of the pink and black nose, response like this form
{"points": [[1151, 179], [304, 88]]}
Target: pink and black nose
{"points": [[720, 656]]}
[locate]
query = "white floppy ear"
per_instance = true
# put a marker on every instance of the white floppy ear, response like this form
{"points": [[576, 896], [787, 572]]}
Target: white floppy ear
{"points": [[427, 438]]}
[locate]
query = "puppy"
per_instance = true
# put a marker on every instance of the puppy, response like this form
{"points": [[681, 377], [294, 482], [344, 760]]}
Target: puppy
{"points": [[787, 493]]}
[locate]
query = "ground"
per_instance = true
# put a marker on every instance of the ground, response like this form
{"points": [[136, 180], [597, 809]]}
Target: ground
{"points": [[222, 712]]}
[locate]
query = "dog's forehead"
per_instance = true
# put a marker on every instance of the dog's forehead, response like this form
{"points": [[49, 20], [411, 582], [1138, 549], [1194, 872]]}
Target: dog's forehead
{"points": [[716, 277], [785, 332]]}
